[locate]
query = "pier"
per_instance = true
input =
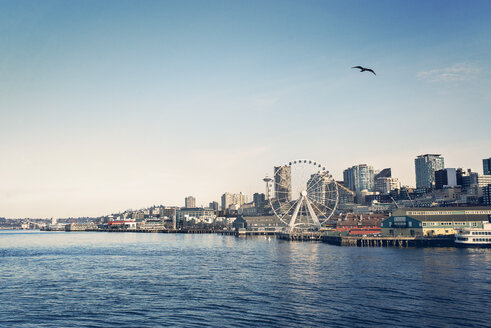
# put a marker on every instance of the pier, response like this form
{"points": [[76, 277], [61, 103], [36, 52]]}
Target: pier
{"points": [[191, 231], [316, 236], [301, 236], [388, 241]]}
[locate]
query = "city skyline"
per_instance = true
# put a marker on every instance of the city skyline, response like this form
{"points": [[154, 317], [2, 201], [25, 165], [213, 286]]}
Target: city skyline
{"points": [[191, 202], [114, 105]]}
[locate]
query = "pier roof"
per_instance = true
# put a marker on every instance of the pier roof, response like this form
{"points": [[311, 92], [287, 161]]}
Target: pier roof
{"points": [[446, 213]]}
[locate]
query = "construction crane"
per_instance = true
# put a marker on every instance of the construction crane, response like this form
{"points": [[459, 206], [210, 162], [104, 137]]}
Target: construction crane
{"points": [[407, 192], [394, 201]]}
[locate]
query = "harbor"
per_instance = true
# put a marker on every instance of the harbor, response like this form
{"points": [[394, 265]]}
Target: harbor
{"points": [[315, 236]]}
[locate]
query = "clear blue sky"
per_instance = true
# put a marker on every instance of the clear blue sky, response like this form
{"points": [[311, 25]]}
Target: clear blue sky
{"points": [[110, 105]]}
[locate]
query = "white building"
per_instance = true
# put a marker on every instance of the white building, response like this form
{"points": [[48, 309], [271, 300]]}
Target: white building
{"points": [[235, 200], [190, 202]]}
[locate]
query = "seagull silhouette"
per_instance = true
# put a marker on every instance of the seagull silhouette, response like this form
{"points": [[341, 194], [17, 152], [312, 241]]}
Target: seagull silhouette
{"points": [[363, 69]]}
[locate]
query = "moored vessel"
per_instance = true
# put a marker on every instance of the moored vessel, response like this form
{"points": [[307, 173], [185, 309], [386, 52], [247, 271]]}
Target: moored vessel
{"points": [[474, 237]]}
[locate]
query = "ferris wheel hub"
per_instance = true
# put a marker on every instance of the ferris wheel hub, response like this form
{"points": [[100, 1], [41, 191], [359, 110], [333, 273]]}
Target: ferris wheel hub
{"points": [[304, 193]]}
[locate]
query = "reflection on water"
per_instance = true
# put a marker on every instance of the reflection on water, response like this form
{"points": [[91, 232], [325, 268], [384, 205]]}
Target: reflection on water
{"points": [[147, 280]]}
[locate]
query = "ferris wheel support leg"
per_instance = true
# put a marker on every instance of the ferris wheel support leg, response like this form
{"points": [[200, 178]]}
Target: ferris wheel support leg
{"points": [[312, 214], [294, 216]]}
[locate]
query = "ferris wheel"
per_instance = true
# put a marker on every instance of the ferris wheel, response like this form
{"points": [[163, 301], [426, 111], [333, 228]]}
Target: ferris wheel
{"points": [[305, 194]]}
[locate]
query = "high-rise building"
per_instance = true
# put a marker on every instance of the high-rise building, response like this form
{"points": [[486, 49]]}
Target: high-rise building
{"points": [[190, 202], [486, 195], [425, 166], [259, 200], [385, 185], [486, 166], [473, 179], [385, 173], [349, 179], [229, 199], [346, 195], [359, 177], [460, 173], [283, 183], [384, 182], [214, 206], [322, 189], [446, 178]]}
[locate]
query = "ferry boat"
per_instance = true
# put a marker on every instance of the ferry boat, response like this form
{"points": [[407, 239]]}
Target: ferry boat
{"points": [[475, 237]]}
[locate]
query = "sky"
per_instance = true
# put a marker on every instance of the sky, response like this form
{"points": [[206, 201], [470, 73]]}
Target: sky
{"points": [[114, 105]]}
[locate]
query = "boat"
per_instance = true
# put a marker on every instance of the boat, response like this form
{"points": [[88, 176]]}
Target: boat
{"points": [[474, 237]]}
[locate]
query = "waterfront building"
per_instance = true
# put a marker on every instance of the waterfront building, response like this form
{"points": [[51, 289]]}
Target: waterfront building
{"points": [[119, 224], [434, 221], [445, 178], [258, 224], [151, 224], [425, 166], [80, 226], [360, 225], [486, 166], [190, 202], [359, 177], [197, 214], [282, 183]]}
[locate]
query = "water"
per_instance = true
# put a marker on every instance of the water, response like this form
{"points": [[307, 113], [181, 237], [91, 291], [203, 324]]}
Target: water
{"points": [[58, 279]]}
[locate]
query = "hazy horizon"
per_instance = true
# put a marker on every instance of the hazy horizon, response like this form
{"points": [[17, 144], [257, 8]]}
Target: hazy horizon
{"points": [[111, 105]]}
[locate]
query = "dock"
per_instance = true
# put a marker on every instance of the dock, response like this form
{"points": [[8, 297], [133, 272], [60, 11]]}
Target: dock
{"points": [[313, 236], [300, 236], [244, 233], [190, 231], [388, 241]]}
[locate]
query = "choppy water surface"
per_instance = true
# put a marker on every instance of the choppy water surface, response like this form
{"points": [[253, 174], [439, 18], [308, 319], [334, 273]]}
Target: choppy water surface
{"points": [[58, 279]]}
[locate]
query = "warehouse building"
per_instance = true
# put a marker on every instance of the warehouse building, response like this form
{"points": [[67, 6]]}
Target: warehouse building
{"points": [[435, 221], [258, 223]]}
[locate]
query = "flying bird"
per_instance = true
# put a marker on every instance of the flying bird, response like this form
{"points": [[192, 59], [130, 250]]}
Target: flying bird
{"points": [[363, 69]]}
